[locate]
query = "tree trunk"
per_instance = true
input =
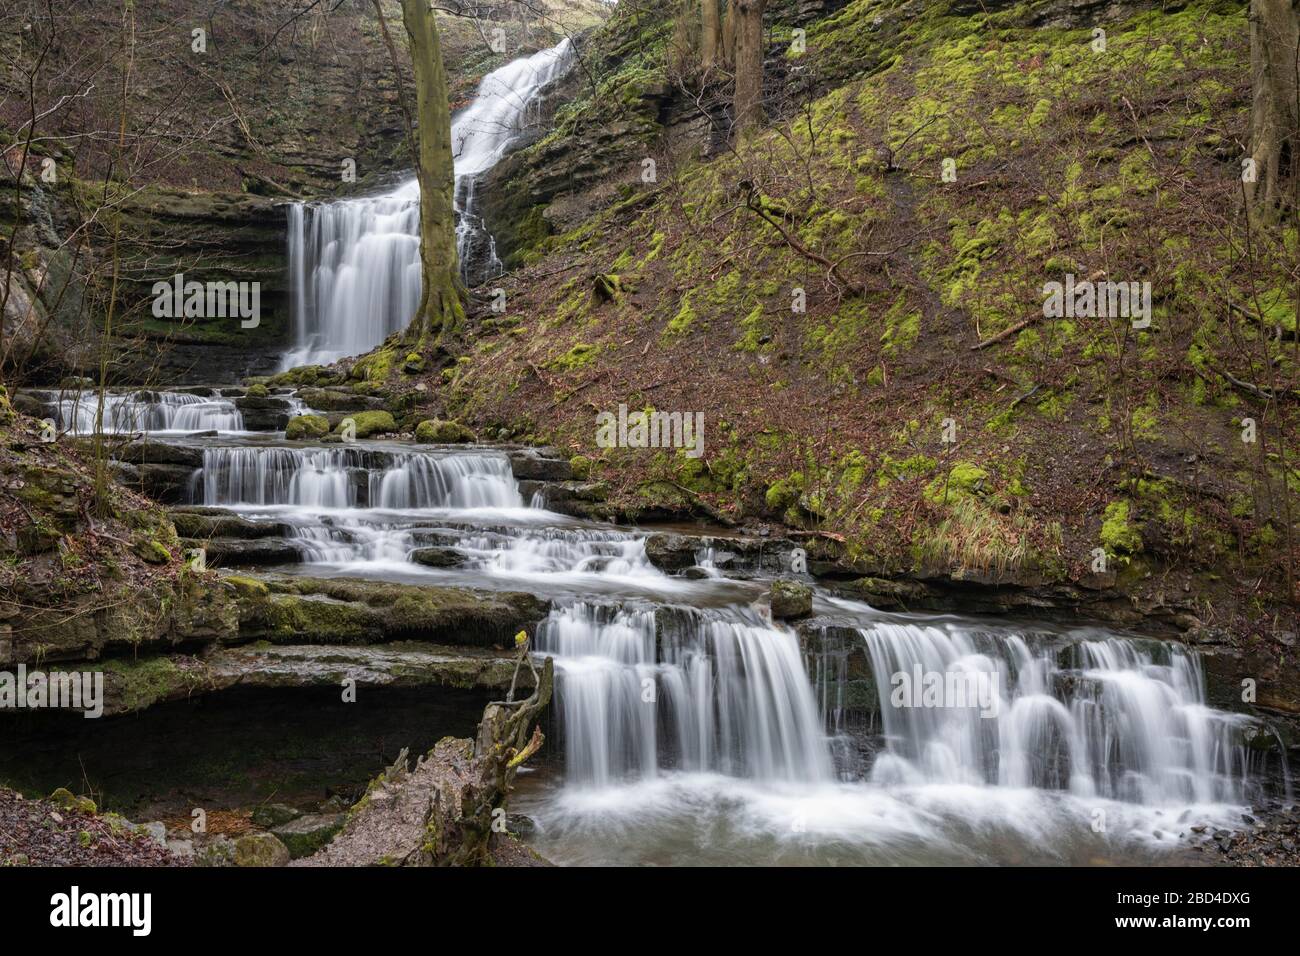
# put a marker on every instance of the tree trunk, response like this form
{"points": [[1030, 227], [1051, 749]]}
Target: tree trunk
{"points": [[748, 106], [1274, 122], [681, 47], [449, 810], [710, 30], [729, 35], [440, 312]]}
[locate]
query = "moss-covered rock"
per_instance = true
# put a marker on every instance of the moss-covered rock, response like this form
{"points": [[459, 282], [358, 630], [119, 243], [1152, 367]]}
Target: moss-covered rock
{"points": [[261, 849], [307, 427], [436, 431], [368, 423], [790, 600]]}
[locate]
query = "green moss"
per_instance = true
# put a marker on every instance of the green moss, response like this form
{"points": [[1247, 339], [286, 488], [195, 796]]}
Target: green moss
{"points": [[577, 357], [436, 431], [1118, 536], [964, 479], [258, 391], [306, 427], [373, 422], [580, 465]]}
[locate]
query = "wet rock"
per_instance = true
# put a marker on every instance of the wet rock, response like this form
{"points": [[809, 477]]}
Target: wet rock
{"points": [[263, 413], [261, 849], [790, 600], [161, 453], [307, 834], [438, 557], [529, 465], [217, 523], [232, 551], [671, 552]]}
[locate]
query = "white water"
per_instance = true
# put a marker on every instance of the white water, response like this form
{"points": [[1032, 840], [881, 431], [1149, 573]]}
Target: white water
{"points": [[322, 478], [694, 728], [145, 411], [1120, 722], [354, 265]]}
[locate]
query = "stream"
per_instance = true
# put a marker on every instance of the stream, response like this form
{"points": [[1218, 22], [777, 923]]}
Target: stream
{"points": [[690, 727]]}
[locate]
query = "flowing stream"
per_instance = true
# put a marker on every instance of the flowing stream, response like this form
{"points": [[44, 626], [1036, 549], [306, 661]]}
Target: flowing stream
{"points": [[354, 265], [690, 727]]}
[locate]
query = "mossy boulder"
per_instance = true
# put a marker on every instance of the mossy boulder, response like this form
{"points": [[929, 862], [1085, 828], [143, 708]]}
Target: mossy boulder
{"points": [[368, 423], [414, 364], [306, 427], [261, 849], [258, 391], [790, 600], [271, 815], [66, 800], [436, 431]]}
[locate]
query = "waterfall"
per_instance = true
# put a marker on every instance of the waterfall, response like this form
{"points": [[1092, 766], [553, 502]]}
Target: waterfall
{"points": [[145, 411], [642, 689], [351, 477], [1108, 717], [354, 265]]}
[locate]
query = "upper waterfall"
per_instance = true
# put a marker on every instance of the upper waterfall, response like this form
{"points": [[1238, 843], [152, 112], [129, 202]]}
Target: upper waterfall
{"points": [[354, 265]]}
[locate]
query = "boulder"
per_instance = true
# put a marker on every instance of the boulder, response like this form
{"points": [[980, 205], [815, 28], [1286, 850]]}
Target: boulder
{"points": [[438, 557], [307, 834], [436, 431], [261, 849], [529, 465], [306, 427], [263, 413], [271, 815], [368, 423], [790, 600]]}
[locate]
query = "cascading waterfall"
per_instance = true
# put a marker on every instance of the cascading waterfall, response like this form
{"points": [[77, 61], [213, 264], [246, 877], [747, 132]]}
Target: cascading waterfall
{"points": [[677, 696], [699, 691], [145, 411], [354, 266], [1113, 718], [339, 477]]}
